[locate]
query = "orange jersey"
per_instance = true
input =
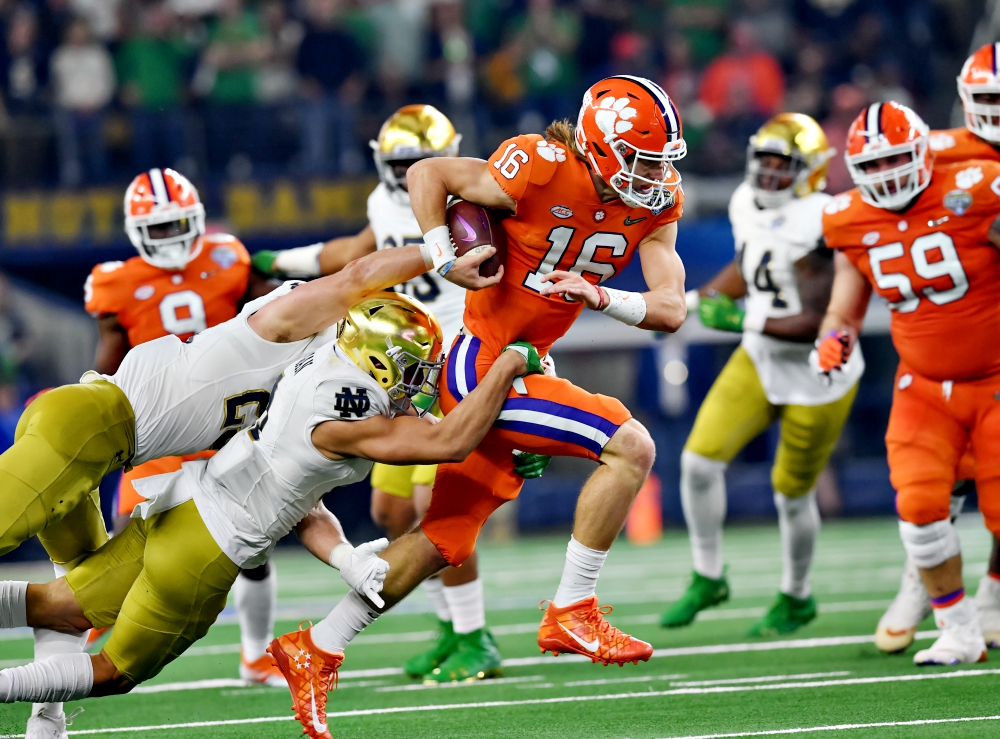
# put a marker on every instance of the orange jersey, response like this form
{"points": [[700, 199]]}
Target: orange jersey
{"points": [[151, 302], [935, 266], [560, 223], [956, 145]]}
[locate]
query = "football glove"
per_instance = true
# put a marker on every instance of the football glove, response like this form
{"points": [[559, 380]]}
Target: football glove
{"points": [[530, 355], [529, 466], [833, 351], [263, 261], [721, 312], [362, 569]]}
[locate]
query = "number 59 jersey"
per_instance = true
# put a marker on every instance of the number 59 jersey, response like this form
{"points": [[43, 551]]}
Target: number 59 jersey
{"points": [[936, 267], [560, 223], [769, 241]]}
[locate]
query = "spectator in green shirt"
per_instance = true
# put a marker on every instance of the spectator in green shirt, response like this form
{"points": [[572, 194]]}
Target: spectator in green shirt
{"points": [[151, 66]]}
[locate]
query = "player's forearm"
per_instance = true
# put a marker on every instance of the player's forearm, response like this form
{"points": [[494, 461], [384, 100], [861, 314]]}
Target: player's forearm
{"points": [[666, 310], [338, 253], [320, 532], [428, 191], [728, 282], [803, 328]]}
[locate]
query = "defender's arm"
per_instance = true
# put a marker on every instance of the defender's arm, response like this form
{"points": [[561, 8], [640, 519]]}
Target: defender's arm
{"points": [[409, 440], [431, 181], [729, 282], [320, 533], [338, 253], [112, 345], [316, 259], [814, 274], [849, 298]]}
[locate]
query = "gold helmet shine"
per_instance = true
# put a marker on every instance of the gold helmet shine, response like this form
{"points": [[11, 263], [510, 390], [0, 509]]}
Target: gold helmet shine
{"points": [[413, 132], [396, 340], [800, 140]]}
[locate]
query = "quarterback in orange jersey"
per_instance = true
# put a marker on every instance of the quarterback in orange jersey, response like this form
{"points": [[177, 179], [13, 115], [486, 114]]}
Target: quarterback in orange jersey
{"points": [[927, 240], [584, 200], [182, 282]]}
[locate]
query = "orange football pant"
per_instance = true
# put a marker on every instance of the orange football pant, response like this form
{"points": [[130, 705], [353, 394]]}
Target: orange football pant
{"points": [[126, 498], [555, 417], [933, 427]]}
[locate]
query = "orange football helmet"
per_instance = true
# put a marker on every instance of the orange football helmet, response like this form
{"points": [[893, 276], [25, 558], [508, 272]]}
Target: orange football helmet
{"points": [[884, 130], [630, 132], [978, 77], [163, 197]]}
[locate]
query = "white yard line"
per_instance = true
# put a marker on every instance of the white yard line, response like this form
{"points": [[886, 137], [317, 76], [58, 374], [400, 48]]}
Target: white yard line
{"points": [[469, 684], [844, 727], [762, 679], [616, 680], [916, 677]]}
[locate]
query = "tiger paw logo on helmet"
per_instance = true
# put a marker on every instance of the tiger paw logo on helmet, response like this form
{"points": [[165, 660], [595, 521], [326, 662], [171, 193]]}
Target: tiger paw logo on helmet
{"points": [[550, 152], [614, 115]]}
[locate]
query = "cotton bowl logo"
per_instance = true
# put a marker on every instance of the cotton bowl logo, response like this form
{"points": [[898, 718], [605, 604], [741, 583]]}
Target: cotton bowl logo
{"points": [[561, 211], [958, 201], [224, 256]]}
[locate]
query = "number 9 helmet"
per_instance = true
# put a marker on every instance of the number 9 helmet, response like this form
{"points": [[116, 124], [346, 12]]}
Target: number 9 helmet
{"points": [[885, 130], [164, 218], [630, 132], [397, 341], [411, 133], [798, 139]]}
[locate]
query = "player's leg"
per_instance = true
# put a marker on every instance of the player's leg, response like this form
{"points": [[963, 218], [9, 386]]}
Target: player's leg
{"points": [[808, 437], [392, 506], [255, 594], [925, 441], [987, 476], [734, 412]]}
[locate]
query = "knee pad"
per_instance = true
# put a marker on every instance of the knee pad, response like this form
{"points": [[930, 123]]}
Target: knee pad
{"points": [[930, 545], [922, 505], [700, 474], [257, 574]]}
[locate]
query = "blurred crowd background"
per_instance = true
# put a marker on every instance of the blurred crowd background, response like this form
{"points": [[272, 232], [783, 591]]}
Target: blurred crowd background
{"points": [[269, 105], [94, 90]]}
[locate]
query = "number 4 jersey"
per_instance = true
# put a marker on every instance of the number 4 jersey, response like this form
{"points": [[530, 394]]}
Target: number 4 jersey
{"points": [[769, 241], [935, 265], [151, 302]]}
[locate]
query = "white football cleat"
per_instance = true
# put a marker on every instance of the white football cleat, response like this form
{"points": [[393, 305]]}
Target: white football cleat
{"points": [[987, 602], [956, 645], [898, 625], [48, 723]]}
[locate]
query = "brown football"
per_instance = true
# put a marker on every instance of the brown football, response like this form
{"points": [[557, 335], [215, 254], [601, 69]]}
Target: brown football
{"points": [[473, 225]]}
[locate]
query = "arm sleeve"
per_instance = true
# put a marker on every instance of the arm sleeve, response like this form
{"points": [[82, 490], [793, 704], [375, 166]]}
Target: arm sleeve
{"points": [[517, 163]]}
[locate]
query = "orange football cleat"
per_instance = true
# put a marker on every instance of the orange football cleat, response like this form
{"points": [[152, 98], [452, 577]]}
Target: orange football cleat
{"points": [[580, 628], [311, 673], [94, 635], [262, 670]]}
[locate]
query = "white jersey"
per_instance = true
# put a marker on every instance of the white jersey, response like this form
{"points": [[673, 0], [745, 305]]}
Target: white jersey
{"points": [[267, 479], [769, 241], [195, 395], [395, 225]]}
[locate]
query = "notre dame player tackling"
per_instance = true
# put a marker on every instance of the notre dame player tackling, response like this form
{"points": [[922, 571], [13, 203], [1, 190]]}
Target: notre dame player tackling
{"points": [[465, 648], [785, 273]]}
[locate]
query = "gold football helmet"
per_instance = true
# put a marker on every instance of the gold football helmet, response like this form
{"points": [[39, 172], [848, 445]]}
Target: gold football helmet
{"points": [[800, 140], [413, 132], [396, 340]]}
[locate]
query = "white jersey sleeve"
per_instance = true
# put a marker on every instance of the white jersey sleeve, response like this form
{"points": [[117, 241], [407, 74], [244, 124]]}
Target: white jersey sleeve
{"points": [[394, 224], [769, 241], [267, 479]]}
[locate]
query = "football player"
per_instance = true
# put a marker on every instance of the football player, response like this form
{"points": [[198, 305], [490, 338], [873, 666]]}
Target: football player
{"points": [[465, 648], [182, 282], [785, 272], [979, 91], [584, 200], [171, 398], [164, 580], [926, 239]]}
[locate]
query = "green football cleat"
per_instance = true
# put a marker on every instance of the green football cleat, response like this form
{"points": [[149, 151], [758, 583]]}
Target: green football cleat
{"points": [[702, 593], [786, 614], [420, 664], [476, 657]]}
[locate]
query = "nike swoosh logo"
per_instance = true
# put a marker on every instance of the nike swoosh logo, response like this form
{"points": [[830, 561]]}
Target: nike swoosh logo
{"points": [[439, 252], [630, 222], [590, 646], [471, 234], [317, 724]]}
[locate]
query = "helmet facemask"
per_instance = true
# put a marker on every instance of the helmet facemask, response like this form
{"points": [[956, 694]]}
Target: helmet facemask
{"points": [[896, 187], [640, 191], [983, 119], [766, 181], [417, 377], [175, 250]]}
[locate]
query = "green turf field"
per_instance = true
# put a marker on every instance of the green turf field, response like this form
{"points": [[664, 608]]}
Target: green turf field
{"points": [[706, 680]]}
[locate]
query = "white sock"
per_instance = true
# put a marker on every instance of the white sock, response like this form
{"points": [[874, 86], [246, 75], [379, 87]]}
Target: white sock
{"points": [[956, 615], [303, 261], [467, 606], [703, 498], [52, 644], [348, 619], [798, 521], [256, 601], [579, 578], [435, 593], [64, 677], [13, 604]]}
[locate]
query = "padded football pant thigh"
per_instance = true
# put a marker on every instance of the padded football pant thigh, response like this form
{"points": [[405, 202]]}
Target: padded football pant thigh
{"points": [[66, 441], [80, 533], [808, 437], [734, 412]]}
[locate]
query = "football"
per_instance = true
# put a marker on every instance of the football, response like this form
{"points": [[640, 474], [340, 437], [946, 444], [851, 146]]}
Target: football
{"points": [[473, 225]]}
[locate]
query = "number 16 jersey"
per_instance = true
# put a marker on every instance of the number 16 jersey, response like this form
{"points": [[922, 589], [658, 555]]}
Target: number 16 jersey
{"points": [[934, 264]]}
